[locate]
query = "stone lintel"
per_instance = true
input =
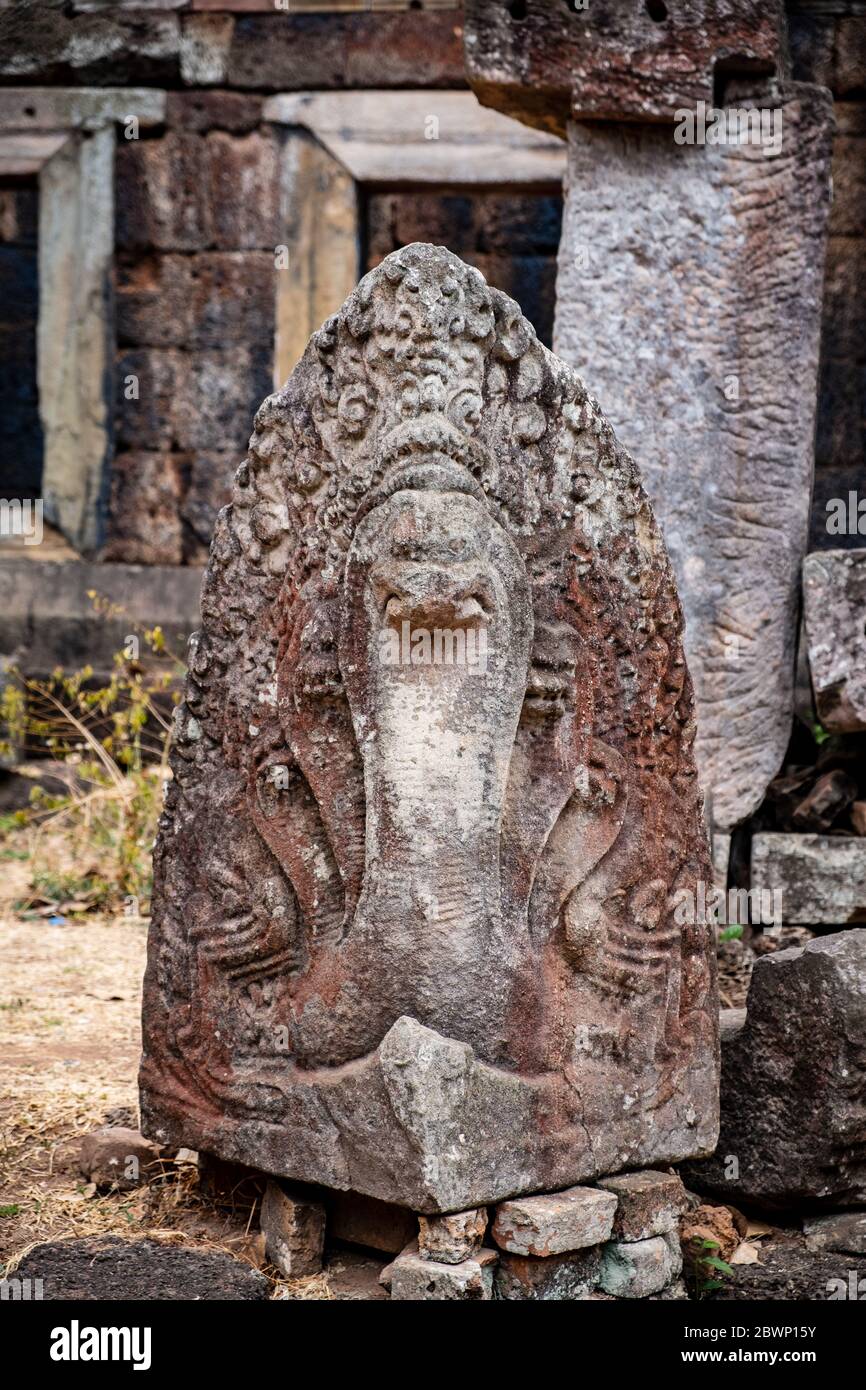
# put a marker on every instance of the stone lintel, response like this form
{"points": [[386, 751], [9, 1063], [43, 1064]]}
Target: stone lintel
{"points": [[77, 108], [421, 137], [544, 62]]}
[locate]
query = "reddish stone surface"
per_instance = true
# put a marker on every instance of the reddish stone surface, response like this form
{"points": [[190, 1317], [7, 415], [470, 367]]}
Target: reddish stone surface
{"points": [[236, 112], [413, 926], [144, 524], [186, 191], [161, 193], [648, 1203], [211, 300], [376, 1225], [544, 62], [291, 52]]}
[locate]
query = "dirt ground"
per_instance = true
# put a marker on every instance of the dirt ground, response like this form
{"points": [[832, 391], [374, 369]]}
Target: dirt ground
{"points": [[70, 993], [70, 997], [69, 1044]]}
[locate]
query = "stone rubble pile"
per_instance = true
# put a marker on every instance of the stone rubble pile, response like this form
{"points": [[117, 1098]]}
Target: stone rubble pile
{"points": [[619, 1239]]}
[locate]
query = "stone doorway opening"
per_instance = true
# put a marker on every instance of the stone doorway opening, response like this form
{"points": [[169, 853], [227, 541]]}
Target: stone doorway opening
{"points": [[511, 236], [21, 444]]}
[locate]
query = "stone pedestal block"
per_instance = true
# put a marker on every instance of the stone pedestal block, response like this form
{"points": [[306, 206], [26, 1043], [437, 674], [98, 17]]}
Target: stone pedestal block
{"points": [[294, 1229], [648, 1204], [415, 1279], [556, 1223], [450, 1239]]}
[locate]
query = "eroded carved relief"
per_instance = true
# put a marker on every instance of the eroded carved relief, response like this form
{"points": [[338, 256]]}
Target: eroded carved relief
{"points": [[434, 764]]}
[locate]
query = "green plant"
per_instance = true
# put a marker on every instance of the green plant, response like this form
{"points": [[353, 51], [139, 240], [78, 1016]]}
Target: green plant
{"points": [[732, 933], [111, 739], [705, 1265]]}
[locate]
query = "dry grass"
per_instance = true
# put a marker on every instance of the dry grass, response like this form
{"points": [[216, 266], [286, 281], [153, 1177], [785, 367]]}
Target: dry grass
{"points": [[69, 1048], [315, 1287]]}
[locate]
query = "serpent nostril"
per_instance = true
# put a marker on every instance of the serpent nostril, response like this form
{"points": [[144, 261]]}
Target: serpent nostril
{"points": [[473, 608]]}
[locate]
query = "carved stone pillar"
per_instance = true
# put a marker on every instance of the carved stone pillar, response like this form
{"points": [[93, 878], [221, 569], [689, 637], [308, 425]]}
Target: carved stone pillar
{"points": [[689, 298]]}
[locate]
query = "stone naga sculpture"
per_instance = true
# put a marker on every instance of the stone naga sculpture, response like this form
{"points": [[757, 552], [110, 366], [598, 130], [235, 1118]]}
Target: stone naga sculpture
{"points": [[434, 789]]}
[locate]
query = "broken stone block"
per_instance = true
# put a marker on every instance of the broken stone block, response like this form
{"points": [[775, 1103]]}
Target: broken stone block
{"points": [[834, 610], [546, 62], [821, 878], [709, 1230], [648, 1203], [844, 1232], [793, 1081], [556, 1222], [452, 920], [830, 797], [451, 1239], [117, 1157], [413, 1278], [525, 1278], [638, 1268], [294, 1229]]}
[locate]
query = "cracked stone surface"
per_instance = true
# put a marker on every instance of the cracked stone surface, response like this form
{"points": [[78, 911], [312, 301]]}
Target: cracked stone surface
{"points": [[834, 612], [794, 1083], [710, 260]]}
